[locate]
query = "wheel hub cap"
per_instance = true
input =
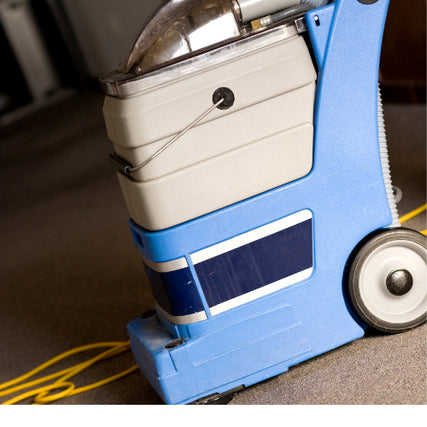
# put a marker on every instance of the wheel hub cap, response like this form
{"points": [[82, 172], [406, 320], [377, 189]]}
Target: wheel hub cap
{"points": [[399, 282]]}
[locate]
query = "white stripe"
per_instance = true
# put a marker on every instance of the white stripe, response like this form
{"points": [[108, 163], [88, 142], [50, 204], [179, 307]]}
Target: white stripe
{"points": [[260, 292], [182, 320], [165, 267], [250, 236]]}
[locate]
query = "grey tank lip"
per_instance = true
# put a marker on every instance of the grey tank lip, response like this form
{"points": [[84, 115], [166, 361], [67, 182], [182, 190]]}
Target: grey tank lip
{"points": [[119, 85]]}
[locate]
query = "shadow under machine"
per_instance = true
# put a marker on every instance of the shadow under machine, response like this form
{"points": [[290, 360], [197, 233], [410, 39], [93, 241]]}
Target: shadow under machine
{"points": [[251, 149]]}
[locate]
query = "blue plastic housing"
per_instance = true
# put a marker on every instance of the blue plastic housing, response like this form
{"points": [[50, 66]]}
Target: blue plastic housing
{"points": [[346, 198]]}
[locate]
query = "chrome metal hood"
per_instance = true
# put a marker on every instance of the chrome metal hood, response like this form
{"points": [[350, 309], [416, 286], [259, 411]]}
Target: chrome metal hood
{"points": [[184, 35], [180, 29]]}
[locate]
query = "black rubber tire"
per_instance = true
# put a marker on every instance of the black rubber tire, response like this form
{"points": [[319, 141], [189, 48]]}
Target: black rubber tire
{"points": [[354, 285]]}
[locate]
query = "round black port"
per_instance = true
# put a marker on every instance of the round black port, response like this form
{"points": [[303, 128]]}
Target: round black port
{"points": [[227, 95], [174, 344], [367, 1]]}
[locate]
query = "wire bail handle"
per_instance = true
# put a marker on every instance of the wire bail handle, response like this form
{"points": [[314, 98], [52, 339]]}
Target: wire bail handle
{"points": [[223, 98]]}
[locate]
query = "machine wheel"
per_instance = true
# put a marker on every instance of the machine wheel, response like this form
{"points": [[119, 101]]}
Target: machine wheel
{"points": [[387, 281]]}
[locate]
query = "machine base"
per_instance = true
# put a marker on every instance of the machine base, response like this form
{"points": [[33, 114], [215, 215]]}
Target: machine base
{"points": [[202, 369]]}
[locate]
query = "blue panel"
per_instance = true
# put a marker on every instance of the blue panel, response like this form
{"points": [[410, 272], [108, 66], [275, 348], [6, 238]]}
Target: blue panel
{"points": [[256, 264], [175, 291], [208, 348], [319, 23]]}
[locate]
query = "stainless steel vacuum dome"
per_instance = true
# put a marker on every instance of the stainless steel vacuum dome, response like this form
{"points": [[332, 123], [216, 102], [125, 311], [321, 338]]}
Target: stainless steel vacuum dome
{"points": [[179, 29]]}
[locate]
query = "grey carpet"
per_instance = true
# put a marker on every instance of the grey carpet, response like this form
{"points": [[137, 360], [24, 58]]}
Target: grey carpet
{"points": [[70, 275]]}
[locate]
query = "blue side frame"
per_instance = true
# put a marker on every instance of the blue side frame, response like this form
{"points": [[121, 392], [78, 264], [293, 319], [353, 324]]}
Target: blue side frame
{"points": [[346, 193]]}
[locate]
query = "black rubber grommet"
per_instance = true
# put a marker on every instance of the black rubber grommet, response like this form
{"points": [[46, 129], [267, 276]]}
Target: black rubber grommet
{"points": [[226, 94]]}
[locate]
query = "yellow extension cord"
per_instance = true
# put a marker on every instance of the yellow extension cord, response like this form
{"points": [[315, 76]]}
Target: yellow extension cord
{"points": [[41, 394], [413, 214]]}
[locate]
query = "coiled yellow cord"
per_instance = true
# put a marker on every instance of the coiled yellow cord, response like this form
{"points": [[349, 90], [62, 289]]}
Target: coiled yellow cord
{"points": [[41, 394]]}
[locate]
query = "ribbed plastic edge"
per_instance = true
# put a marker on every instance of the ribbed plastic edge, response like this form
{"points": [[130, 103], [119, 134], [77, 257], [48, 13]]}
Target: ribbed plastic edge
{"points": [[385, 162]]}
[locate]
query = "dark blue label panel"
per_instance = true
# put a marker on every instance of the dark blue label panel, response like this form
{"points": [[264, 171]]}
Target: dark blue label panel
{"points": [[175, 291], [257, 264]]}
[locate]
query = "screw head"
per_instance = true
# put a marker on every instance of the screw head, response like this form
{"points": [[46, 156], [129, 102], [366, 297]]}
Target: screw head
{"points": [[399, 282]]}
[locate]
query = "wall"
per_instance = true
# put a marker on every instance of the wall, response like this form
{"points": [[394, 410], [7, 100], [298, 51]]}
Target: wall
{"points": [[404, 48], [106, 29]]}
